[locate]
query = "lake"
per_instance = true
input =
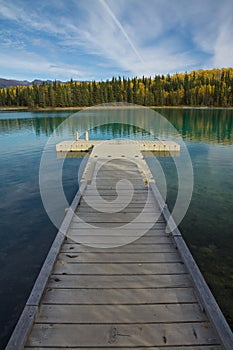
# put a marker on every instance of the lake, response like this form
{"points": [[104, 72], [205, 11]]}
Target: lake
{"points": [[27, 232]]}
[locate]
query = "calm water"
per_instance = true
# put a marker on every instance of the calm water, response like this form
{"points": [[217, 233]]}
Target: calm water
{"points": [[26, 231]]}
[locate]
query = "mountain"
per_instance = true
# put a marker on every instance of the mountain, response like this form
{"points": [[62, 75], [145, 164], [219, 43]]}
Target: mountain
{"points": [[11, 82]]}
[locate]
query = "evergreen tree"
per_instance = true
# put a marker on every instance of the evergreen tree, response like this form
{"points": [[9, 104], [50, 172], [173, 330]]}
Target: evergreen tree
{"points": [[198, 88]]}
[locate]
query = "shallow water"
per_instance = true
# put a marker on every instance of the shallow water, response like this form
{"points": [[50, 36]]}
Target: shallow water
{"points": [[26, 231]]}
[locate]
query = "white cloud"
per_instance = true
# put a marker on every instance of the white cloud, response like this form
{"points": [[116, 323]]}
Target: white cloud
{"points": [[223, 46], [27, 64], [7, 11], [123, 31], [31, 17], [101, 34], [134, 36]]}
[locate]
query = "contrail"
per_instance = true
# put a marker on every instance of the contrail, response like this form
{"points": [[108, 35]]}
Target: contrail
{"points": [[107, 8]]}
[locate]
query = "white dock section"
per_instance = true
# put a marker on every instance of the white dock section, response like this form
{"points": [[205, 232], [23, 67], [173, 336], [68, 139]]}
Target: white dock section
{"points": [[86, 145], [117, 280]]}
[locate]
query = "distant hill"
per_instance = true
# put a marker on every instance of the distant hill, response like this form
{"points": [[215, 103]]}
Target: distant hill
{"points": [[11, 82]]}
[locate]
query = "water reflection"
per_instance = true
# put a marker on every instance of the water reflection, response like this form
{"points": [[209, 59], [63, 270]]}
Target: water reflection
{"points": [[40, 126], [206, 125], [119, 130]]}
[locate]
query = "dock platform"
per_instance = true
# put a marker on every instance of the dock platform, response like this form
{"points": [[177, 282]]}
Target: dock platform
{"points": [[87, 145], [115, 278]]}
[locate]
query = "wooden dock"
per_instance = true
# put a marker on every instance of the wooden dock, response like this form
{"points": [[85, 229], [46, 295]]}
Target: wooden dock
{"points": [[114, 279]]}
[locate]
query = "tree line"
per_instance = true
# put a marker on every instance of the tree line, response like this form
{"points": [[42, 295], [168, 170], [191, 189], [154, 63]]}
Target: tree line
{"points": [[198, 88]]}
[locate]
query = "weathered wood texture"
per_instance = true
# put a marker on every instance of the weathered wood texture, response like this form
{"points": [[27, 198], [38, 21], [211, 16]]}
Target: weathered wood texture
{"points": [[119, 281]]}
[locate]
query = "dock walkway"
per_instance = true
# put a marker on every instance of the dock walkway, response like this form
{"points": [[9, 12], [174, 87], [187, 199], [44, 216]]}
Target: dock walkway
{"points": [[114, 279]]}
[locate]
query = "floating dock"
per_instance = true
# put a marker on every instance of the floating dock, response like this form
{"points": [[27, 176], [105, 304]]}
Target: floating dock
{"points": [[87, 145], [115, 278]]}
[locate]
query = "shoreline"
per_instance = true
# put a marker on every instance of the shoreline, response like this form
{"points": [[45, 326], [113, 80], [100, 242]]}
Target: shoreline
{"points": [[47, 109]]}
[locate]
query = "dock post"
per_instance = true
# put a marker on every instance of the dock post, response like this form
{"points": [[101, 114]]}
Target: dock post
{"points": [[86, 137], [76, 135]]}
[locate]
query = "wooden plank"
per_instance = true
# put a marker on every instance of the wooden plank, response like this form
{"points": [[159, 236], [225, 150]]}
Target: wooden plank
{"points": [[108, 229], [121, 184], [119, 166], [131, 206], [132, 227], [123, 197], [117, 203], [117, 170], [120, 257], [108, 240], [105, 185], [119, 296], [119, 211], [118, 175], [116, 210], [153, 248], [111, 184], [112, 176], [124, 217], [110, 194], [149, 238], [23, 328], [122, 235], [106, 169], [62, 267], [114, 179], [191, 347], [94, 314], [122, 335], [120, 162], [134, 200], [118, 206], [85, 229], [139, 281]]}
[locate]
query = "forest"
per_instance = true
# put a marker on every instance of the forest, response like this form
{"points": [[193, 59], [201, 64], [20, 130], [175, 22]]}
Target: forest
{"points": [[212, 88]]}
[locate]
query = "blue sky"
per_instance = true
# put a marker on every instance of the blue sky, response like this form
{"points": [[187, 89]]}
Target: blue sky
{"points": [[98, 39]]}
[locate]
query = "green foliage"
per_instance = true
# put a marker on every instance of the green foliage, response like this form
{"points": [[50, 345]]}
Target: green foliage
{"points": [[198, 88]]}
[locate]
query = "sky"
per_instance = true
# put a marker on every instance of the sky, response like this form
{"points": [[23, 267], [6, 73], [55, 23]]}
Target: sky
{"points": [[99, 39]]}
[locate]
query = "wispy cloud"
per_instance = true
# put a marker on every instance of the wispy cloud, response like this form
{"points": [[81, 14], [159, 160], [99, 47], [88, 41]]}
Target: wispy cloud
{"points": [[26, 65], [223, 46], [99, 38], [117, 22]]}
